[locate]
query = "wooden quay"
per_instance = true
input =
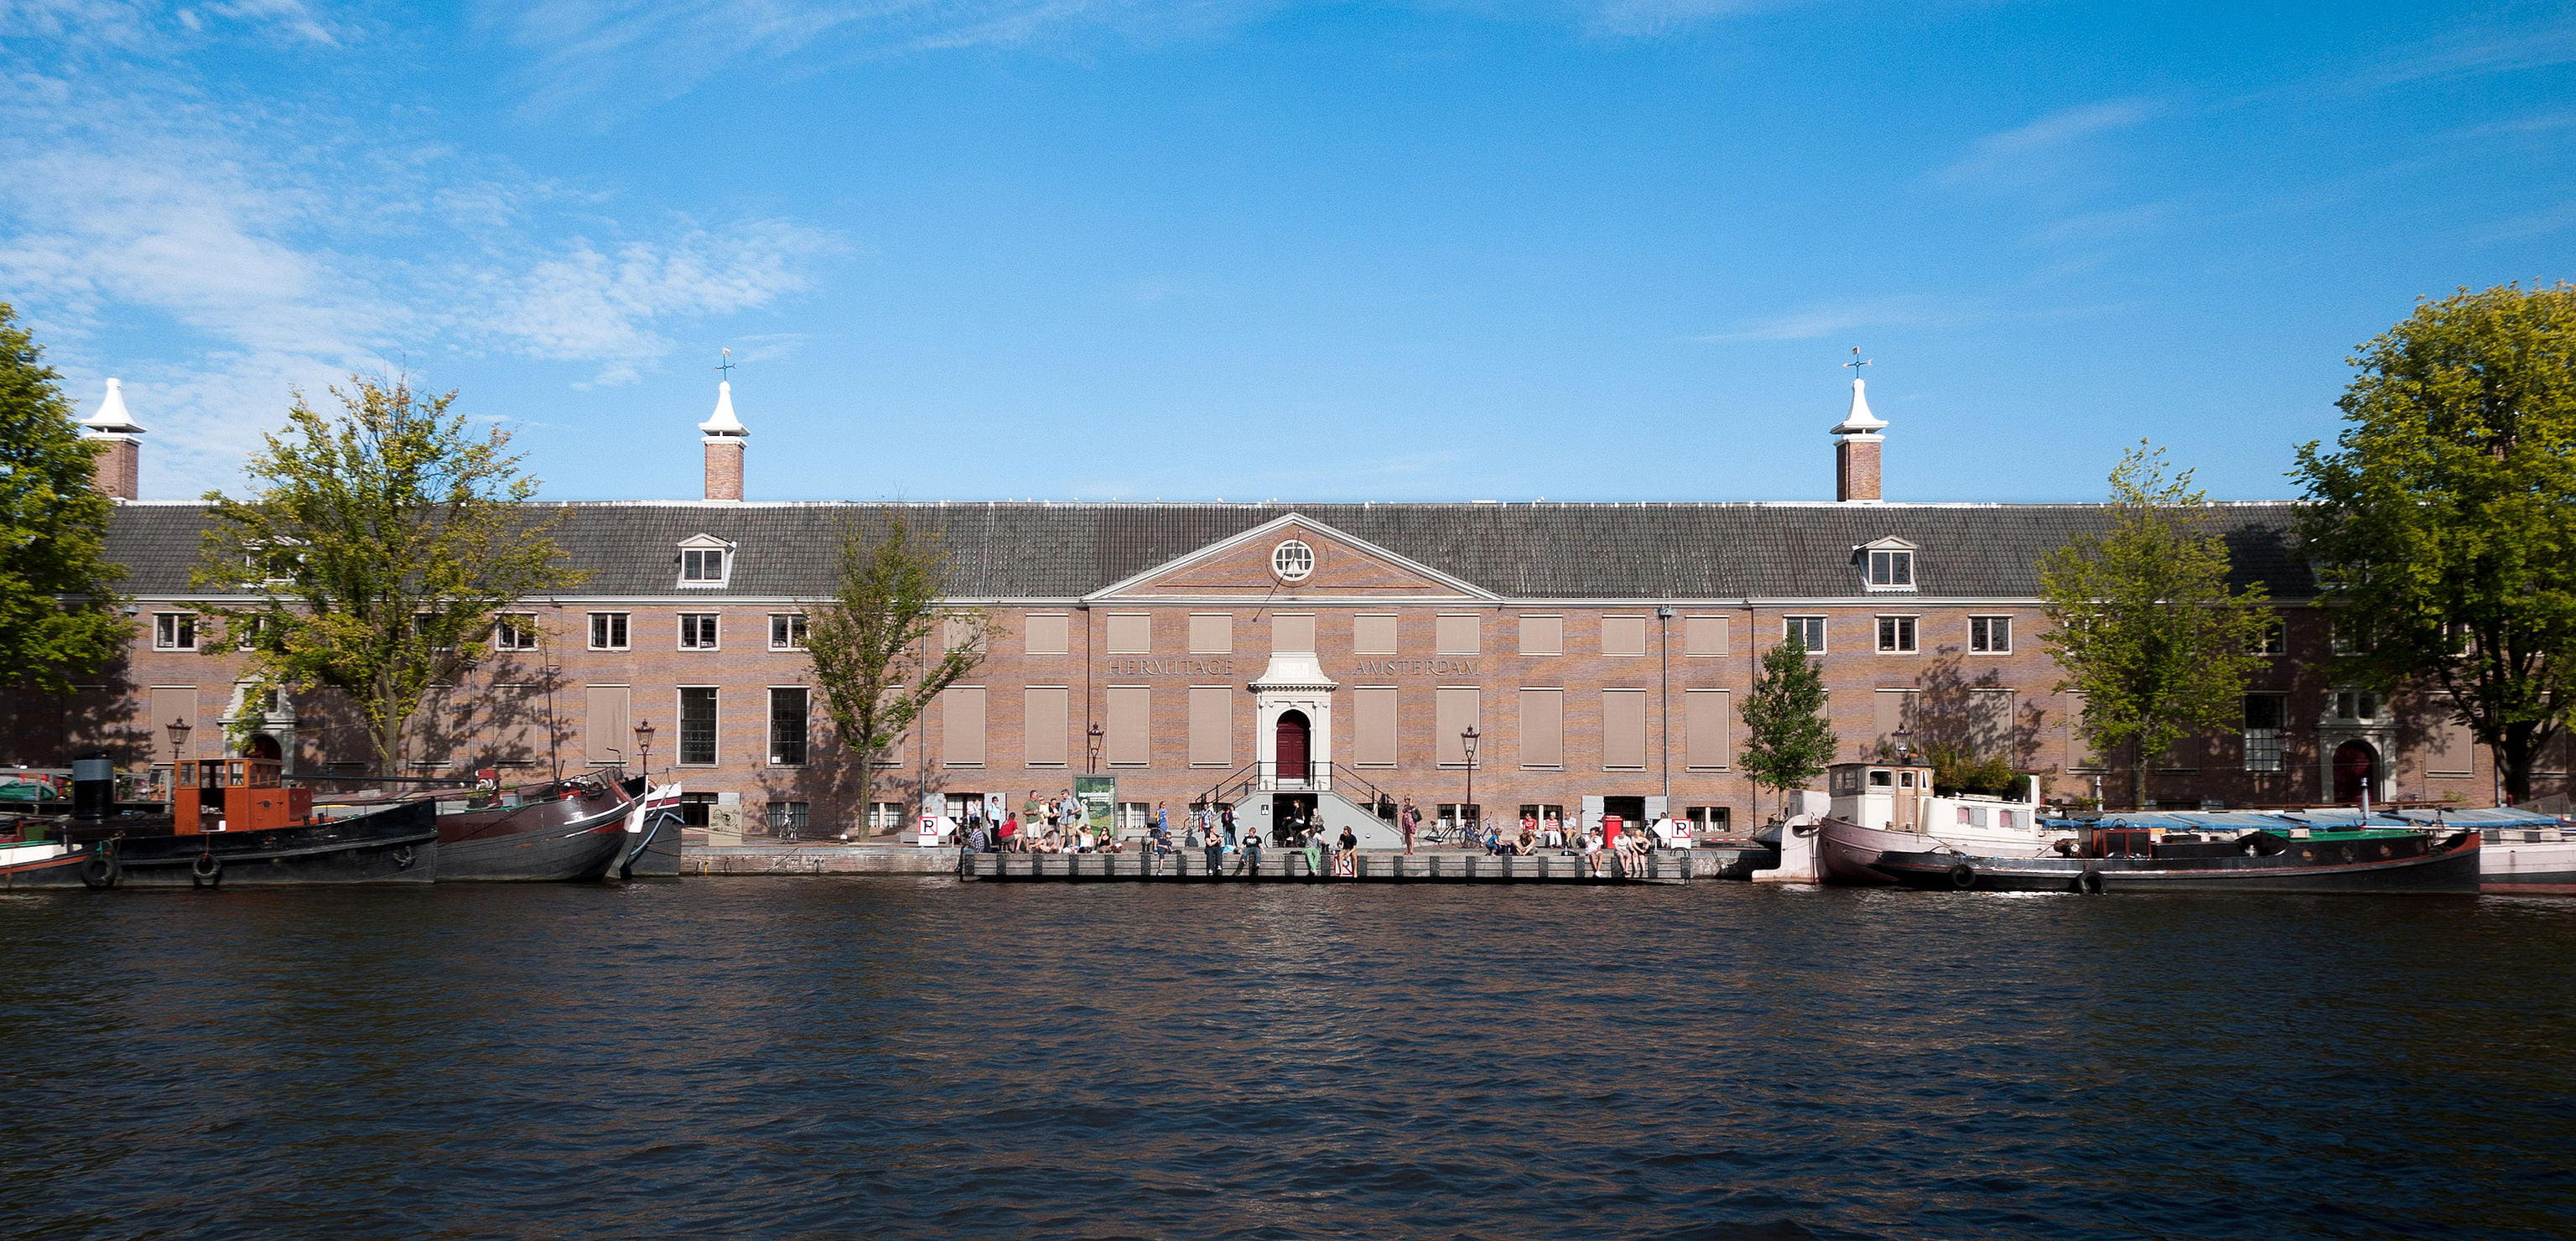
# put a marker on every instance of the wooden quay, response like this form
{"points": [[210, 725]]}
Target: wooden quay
{"points": [[1289, 866]]}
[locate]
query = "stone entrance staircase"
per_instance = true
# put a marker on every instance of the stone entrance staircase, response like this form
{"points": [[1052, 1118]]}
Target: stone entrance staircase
{"points": [[1256, 792]]}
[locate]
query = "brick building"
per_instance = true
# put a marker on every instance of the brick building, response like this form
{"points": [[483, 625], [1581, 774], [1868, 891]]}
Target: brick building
{"points": [[1285, 653]]}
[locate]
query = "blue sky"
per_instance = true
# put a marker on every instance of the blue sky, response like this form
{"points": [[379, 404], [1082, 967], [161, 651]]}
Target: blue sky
{"points": [[1187, 249]]}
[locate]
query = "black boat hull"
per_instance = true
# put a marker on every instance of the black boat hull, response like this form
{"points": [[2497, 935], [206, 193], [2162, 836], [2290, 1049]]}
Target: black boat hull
{"points": [[657, 855], [397, 845], [2448, 866], [552, 841]]}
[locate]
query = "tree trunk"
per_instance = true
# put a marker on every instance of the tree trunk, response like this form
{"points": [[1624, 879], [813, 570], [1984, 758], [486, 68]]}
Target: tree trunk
{"points": [[867, 795], [2513, 757]]}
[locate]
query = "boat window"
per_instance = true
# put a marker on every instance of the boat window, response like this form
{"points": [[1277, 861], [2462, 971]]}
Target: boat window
{"points": [[1976, 815], [2004, 820], [1905, 779], [1880, 779]]}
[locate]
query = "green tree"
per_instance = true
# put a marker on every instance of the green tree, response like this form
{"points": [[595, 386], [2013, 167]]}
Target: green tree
{"points": [[2143, 621], [884, 646], [2443, 523], [1787, 738], [58, 603], [377, 545]]}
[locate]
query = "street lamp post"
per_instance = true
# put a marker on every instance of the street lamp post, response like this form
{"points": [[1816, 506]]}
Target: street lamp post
{"points": [[644, 747], [1468, 740], [179, 729], [1091, 748]]}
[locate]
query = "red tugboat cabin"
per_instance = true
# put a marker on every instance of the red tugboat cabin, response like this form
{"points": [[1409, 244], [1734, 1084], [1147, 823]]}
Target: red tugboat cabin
{"points": [[235, 795]]}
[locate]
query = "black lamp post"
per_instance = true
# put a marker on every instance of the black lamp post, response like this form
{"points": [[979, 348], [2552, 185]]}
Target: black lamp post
{"points": [[644, 746], [1091, 748], [1468, 740], [179, 730]]}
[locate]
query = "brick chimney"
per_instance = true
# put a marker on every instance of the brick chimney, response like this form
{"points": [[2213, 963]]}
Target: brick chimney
{"points": [[1856, 446], [118, 471], [724, 434]]}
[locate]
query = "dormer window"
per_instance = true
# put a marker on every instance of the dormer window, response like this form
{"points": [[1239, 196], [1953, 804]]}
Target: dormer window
{"points": [[1887, 564], [706, 562]]}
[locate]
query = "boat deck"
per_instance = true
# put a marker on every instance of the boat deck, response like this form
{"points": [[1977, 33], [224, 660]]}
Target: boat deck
{"points": [[1289, 866]]}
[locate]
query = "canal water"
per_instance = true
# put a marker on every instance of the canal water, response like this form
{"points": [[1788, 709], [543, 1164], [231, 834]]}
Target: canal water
{"points": [[794, 1058]]}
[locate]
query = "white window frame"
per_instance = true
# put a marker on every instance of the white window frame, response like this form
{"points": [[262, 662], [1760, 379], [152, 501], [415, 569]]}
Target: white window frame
{"points": [[1293, 560], [623, 622], [2273, 640], [1820, 627], [2275, 747], [715, 627], [522, 625], [771, 725], [1910, 626], [680, 724], [1981, 634], [701, 545], [1889, 559], [796, 631], [169, 627]]}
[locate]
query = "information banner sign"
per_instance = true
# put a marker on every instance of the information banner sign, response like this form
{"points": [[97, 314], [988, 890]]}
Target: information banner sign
{"points": [[1099, 797]]}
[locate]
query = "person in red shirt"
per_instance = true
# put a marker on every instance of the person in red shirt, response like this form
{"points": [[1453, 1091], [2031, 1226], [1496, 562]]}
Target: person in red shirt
{"points": [[1011, 834]]}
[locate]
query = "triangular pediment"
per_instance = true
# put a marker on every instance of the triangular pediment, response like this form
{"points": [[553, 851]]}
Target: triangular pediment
{"points": [[1260, 563]]}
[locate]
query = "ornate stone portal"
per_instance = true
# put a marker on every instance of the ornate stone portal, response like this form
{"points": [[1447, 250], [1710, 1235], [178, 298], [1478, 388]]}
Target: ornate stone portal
{"points": [[1295, 688]]}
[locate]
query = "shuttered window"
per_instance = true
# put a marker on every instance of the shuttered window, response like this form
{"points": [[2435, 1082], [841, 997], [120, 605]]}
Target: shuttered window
{"points": [[1047, 725], [1129, 730], [1623, 729], [1373, 744], [1542, 728], [1895, 712], [515, 733], [1050, 633], [1373, 635], [1708, 730], [961, 726], [1542, 635], [1211, 726], [2453, 750], [1990, 721], [1457, 635], [1292, 633], [1211, 633], [1704, 635], [1453, 709], [1623, 636], [607, 735], [1130, 634], [176, 702]]}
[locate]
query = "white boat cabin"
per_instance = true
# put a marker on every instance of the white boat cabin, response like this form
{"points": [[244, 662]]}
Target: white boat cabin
{"points": [[1898, 797]]}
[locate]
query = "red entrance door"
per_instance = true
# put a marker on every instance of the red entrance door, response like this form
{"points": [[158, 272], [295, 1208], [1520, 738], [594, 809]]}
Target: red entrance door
{"points": [[1295, 744], [2354, 762]]}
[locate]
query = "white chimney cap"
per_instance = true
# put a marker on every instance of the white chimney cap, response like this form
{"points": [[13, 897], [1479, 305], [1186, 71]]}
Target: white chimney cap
{"points": [[1860, 421], [111, 418], [722, 422]]}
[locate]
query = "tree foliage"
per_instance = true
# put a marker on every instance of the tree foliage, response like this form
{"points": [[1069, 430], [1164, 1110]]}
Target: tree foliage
{"points": [[884, 646], [2144, 622], [377, 544], [58, 603], [1788, 739], [2443, 522]]}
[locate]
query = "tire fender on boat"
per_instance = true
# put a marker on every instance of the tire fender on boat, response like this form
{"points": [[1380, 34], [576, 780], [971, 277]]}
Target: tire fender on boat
{"points": [[1963, 876], [2090, 882], [206, 872], [101, 872], [403, 856]]}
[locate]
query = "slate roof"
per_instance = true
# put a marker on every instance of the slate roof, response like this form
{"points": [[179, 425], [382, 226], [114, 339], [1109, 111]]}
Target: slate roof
{"points": [[1520, 551]]}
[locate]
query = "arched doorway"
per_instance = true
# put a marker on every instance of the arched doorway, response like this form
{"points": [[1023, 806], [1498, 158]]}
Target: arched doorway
{"points": [[262, 745], [2355, 763], [1295, 747]]}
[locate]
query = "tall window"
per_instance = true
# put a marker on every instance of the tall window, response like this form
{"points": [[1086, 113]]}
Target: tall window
{"points": [[2356, 705], [787, 631], [514, 631], [698, 724], [1808, 630], [1891, 570], [1895, 635], [608, 631], [2273, 640], [703, 566], [2265, 714], [697, 631], [174, 631], [1990, 634], [789, 713], [788, 818], [1711, 820]]}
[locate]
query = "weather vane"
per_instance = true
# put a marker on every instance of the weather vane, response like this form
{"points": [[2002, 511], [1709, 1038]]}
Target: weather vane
{"points": [[1857, 362], [725, 367]]}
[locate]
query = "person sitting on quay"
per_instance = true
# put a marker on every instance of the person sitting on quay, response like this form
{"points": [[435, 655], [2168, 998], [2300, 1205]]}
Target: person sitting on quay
{"points": [[1314, 851], [1249, 860], [1590, 843], [1010, 833], [1350, 840], [1493, 839], [1215, 848], [1528, 841]]}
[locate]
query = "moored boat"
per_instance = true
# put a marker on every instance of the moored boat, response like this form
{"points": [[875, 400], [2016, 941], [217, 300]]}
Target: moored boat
{"points": [[561, 830], [2134, 859], [651, 836], [1882, 808], [2527, 853], [232, 823]]}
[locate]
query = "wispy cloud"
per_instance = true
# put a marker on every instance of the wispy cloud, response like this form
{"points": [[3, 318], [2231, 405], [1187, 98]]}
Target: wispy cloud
{"points": [[588, 306], [147, 24], [1822, 319], [2047, 148], [2471, 53]]}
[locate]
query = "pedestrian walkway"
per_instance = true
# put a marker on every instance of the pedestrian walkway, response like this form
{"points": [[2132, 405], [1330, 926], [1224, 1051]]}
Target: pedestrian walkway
{"points": [[1289, 865]]}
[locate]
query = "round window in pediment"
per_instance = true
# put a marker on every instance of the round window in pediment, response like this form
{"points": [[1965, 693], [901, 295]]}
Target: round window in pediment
{"points": [[1293, 561]]}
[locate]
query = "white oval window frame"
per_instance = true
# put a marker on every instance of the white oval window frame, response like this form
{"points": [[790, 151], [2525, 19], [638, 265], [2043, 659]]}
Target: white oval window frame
{"points": [[1280, 556]]}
